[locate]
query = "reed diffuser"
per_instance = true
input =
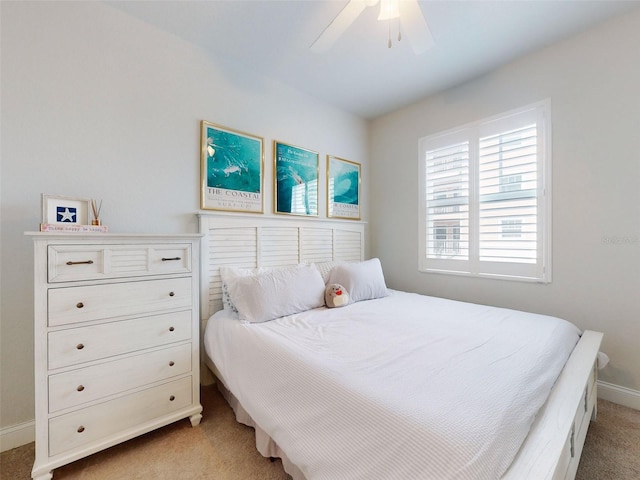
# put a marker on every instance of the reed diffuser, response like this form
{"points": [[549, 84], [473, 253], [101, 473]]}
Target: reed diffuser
{"points": [[96, 212]]}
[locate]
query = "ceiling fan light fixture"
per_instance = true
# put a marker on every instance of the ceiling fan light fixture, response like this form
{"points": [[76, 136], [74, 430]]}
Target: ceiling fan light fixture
{"points": [[389, 9], [411, 23]]}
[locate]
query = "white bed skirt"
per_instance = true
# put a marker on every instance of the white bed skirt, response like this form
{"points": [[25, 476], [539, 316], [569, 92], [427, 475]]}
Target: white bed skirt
{"points": [[264, 443]]}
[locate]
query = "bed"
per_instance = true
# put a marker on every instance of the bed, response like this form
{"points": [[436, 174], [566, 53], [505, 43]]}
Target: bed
{"points": [[377, 389]]}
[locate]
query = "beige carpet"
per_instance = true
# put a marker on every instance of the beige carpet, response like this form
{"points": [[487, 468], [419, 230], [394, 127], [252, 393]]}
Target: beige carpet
{"points": [[612, 448], [219, 448], [222, 449]]}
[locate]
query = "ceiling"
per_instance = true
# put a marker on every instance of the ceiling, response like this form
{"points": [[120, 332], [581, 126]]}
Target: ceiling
{"points": [[360, 74]]}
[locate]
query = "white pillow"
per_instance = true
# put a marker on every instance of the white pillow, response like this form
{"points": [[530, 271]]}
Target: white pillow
{"points": [[275, 293], [325, 268], [229, 275], [363, 280]]}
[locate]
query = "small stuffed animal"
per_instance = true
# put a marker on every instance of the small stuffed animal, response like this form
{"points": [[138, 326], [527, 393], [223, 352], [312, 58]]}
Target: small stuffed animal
{"points": [[335, 295]]}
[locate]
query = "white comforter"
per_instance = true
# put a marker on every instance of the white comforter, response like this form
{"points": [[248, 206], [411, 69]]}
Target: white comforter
{"points": [[404, 387]]}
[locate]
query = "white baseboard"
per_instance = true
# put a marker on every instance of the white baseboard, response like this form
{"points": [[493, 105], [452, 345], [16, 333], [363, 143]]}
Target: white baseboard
{"points": [[620, 395], [17, 435]]}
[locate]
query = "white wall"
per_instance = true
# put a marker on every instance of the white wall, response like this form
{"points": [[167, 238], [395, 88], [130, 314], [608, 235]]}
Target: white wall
{"points": [[593, 82], [96, 104]]}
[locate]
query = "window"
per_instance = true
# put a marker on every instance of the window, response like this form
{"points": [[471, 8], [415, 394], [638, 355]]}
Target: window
{"points": [[485, 197]]}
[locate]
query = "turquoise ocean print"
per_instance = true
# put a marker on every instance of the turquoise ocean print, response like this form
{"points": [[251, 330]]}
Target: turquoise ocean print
{"points": [[345, 182], [233, 161]]}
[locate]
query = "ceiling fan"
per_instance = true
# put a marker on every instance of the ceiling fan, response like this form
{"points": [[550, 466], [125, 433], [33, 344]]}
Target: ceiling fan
{"points": [[408, 12]]}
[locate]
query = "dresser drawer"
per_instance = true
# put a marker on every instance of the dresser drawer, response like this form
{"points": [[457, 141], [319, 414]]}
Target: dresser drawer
{"points": [[97, 302], [87, 384], [67, 263], [94, 342], [92, 424], [75, 263]]}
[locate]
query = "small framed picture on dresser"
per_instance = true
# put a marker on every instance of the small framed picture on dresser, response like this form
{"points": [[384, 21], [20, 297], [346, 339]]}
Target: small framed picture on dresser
{"points": [[65, 211]]}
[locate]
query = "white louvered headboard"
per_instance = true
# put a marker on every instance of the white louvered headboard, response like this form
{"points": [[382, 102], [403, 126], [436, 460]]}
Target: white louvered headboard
{"points": [[251, 241]]}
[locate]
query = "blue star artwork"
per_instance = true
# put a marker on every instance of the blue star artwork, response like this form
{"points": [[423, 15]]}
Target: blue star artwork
{"points": [[66, 214]]}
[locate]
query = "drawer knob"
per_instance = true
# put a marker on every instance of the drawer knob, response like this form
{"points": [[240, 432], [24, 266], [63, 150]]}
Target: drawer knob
{"points": [[80, 346], [79, 304], [170, 259], [80, 388], [86, 262], [171, 363], [80, 429], [171, 294], [171, 329], [172, 398]]}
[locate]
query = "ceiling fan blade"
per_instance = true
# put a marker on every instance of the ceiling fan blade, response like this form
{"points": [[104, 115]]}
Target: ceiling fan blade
{"points": [[338, 25], [415, 26]]}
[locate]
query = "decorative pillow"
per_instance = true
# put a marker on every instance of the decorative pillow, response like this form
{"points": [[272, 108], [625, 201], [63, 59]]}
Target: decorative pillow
{"points": [[325, 268], [226, 300], [363, 280], [229, 275], [275, 293], [335, 295]]}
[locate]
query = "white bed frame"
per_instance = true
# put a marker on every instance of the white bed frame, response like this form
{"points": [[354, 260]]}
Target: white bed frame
{"points": [[553, 447]]}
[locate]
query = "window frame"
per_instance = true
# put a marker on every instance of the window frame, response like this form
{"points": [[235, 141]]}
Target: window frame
{"points": [[473, 266]]}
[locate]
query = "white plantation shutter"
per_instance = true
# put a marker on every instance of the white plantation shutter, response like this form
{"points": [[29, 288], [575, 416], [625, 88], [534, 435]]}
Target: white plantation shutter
{"points": [[448, 202], [447, 192], [485, 207], [508, 175]]}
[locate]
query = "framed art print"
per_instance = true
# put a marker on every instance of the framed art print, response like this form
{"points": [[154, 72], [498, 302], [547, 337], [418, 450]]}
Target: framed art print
{"points": [[64, 211], [231, 170], [296, 180], [343, 188]]}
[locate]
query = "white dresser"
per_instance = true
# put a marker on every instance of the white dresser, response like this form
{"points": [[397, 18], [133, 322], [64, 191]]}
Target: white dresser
{"points": [[116, 340]]}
